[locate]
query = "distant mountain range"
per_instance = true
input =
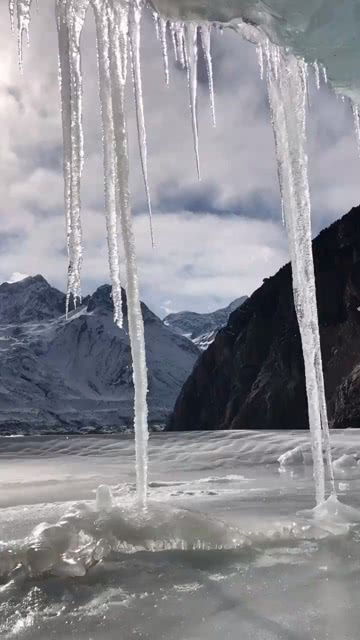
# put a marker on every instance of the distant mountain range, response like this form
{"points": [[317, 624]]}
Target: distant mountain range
{"points": [[252, 375], [201, 328], [76, 374]]}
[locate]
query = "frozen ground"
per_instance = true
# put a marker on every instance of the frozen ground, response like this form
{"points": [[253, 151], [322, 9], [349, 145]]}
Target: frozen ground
{"points": [[280, 576]]}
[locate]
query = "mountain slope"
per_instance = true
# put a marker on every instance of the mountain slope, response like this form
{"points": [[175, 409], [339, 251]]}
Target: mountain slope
{"points": [[201, 328], [252, 376], [76, 374]]}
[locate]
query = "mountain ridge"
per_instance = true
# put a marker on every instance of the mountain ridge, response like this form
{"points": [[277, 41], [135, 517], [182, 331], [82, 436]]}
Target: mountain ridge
{"points": [[201, 328]]}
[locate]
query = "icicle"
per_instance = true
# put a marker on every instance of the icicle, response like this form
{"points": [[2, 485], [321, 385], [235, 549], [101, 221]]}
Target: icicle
{"points": [[156, 24], [355, 110], [287, 95], [180, 43], [118, 56], [260, 55], [102, 35], [324, 72], [163, 26], [205, 33], [173, 39], [191, 51], [23, 8], [70, 21], [12, 14], [135, 22], [317, 74]]}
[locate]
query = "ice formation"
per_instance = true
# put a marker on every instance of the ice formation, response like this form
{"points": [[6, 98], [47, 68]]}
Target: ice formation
{"points": [[118, 28]]}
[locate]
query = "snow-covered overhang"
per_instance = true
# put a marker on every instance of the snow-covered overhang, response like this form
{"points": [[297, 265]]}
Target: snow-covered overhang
{"points": [[324, 30]]}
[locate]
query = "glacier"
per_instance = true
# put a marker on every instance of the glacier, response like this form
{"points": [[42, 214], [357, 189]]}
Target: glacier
{"points": [[288, 37]]}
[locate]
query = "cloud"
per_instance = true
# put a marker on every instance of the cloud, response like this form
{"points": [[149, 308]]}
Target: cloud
{"points": [[216, 239]]}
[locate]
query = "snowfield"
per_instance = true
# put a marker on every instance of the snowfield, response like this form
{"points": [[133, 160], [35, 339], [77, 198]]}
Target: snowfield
{"points": [[223, 549]]}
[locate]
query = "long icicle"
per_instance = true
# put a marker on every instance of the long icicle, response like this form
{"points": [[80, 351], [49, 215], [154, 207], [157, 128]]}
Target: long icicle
{"points": [[118, 58], [317, 74], [134, 32], [70, 21], [76, 13], [179, 30], [205, 33], [173, 40], [191, 51], [102, 34], [164, 47], [287, 95], [12, 14], [355, 111]]}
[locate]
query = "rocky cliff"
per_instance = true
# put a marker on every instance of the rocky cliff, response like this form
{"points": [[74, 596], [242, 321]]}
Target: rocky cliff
{"points": [[252, 376]]}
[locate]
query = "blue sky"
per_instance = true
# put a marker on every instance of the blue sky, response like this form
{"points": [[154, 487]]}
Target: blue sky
{"points": [[215, 240]]}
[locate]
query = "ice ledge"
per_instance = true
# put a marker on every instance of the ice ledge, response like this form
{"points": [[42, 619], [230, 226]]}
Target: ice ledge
{"points": [[322, 30]]}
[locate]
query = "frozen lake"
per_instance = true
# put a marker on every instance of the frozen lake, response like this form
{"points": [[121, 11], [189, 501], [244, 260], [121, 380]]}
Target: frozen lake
{"points": [[221, 553]]}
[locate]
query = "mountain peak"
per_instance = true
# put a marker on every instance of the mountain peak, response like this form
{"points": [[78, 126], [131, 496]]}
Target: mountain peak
{"points": [[101, 299], [30, 299]]}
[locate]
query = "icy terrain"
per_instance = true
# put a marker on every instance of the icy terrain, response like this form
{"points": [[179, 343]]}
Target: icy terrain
{"points": [[224, 550]]}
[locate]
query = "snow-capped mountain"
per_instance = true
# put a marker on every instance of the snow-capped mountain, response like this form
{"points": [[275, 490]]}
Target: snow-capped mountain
{"points": [[76, 374], [202, 328]]}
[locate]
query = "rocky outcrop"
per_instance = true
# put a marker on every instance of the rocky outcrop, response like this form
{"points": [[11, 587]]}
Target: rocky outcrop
{"points": [[252, 376]]}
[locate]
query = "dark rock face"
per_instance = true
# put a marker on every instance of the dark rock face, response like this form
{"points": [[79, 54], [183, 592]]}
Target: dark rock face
{"points": [[252, 376]]}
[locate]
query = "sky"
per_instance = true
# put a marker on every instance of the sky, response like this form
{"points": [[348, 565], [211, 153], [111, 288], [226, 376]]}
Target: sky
{"points": [[217, 239]]}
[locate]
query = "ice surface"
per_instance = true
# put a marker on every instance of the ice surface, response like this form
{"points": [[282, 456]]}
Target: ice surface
{"points": [[220, 547]]}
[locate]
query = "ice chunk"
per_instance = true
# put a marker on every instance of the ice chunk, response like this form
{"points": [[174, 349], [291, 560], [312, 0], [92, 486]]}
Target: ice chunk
{"points": [[104, 500]]}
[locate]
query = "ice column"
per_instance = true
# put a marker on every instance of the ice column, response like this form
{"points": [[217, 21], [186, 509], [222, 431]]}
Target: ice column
{"points": [[118, 50], [70, 20], [286, 79]]}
